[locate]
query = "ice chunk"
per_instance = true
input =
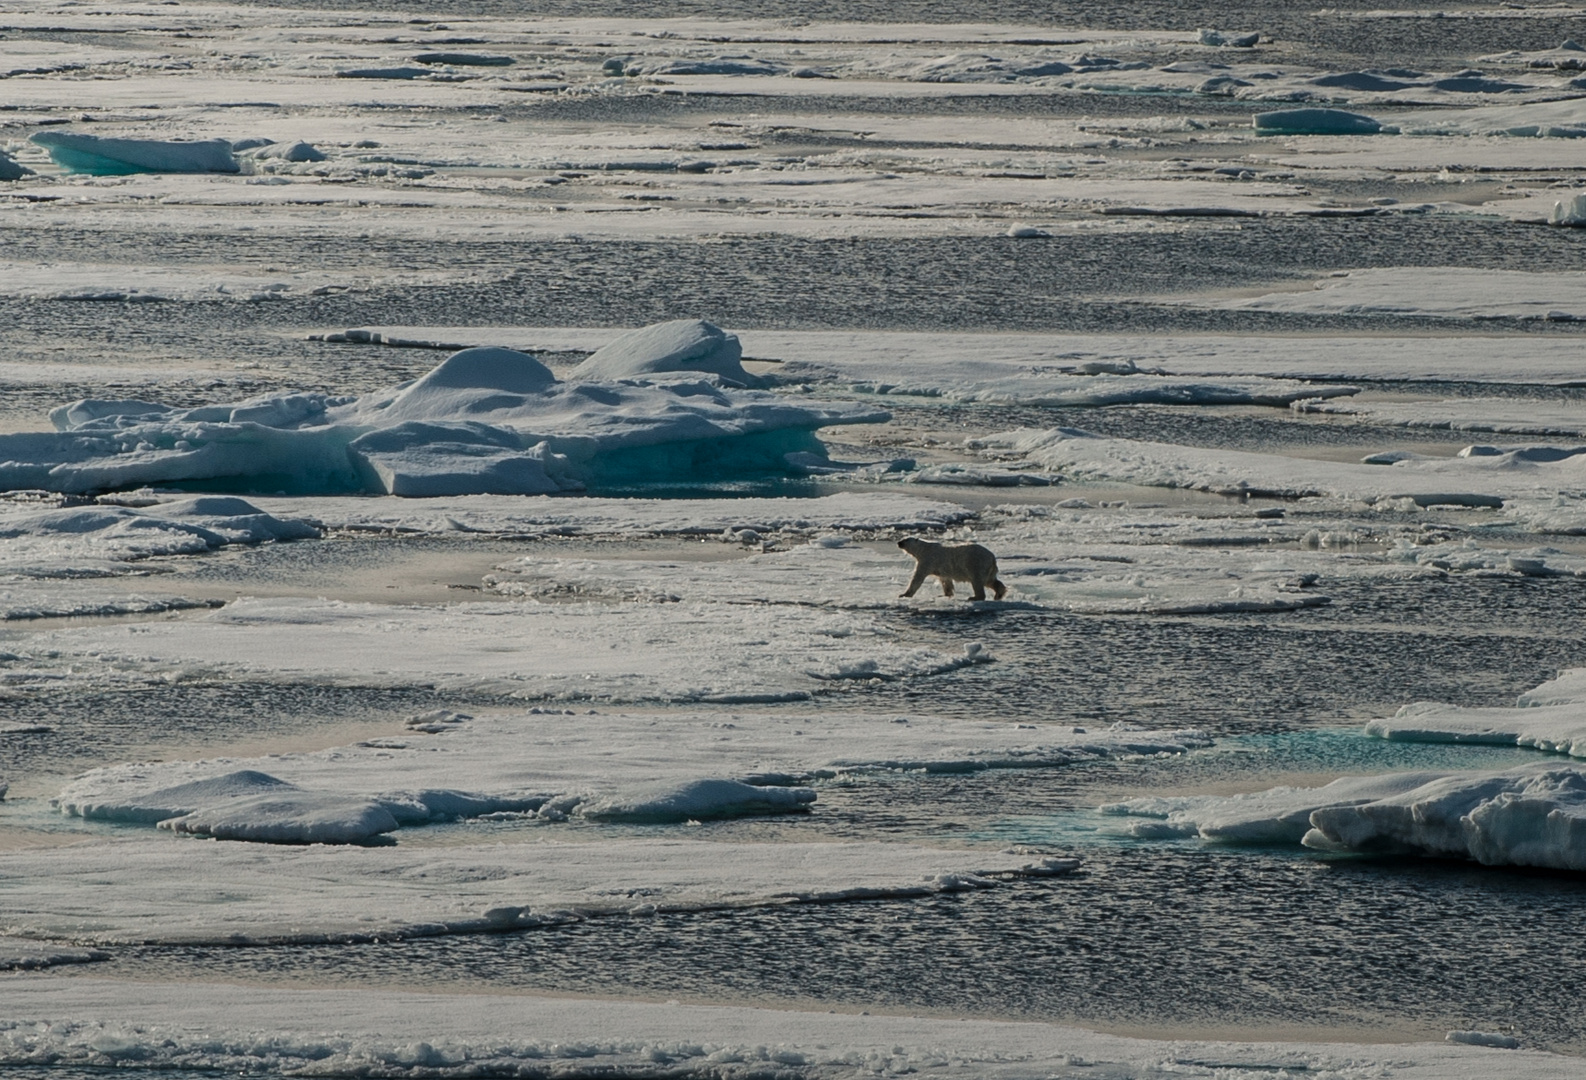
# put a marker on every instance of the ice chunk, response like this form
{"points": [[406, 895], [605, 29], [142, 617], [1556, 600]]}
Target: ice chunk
{"points": [[1027, 232], [1571, 211], [1483, 1038], [696, 800], [116, 157], [295, 152], [1315, 122], [1533, 816], [459, 59], [1279, 816], [1556, 728], [486, 420], [719, 65], [681, 345], [1218, 38], [10, 170], [294, 817]]}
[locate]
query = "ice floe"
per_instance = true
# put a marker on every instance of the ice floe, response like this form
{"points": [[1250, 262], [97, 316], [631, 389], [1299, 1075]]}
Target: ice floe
{"points": [[1530, 816], [182, 891], [1434, 292], [552, 765], [226, 1028], [101, 156], [594, 651], [1551, 718], [483, 421], [1509, 415], [1478, 478]]}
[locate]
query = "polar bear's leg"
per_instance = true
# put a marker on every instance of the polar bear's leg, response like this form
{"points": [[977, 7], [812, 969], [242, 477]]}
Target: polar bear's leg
{"points": [[916, 581], [980, 589], [999, 588], [947, 584]]}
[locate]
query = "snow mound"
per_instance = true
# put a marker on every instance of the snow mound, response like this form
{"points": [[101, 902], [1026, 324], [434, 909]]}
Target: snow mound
{"points": [[1315, 122], [120, 533], [118, 157], [485, 421], [289, 818], [696, 800], [1531, 816], [88, 798], [680, 345], [10, 170], [294, 152]]}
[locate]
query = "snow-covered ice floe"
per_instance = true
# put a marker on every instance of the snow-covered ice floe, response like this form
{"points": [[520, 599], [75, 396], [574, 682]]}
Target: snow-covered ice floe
{"points": [[1480, 476], [165, 890], [1512, 416], [1530, 816], [247, 1030], [1551, 718], [483, 421], [683, 652], [558, 765], [847, 512], [553, 765], [78, 560], [1432, 292]]}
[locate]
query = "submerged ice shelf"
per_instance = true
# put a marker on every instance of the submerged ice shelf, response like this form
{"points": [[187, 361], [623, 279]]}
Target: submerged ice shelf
{"points": [[483, 421]]}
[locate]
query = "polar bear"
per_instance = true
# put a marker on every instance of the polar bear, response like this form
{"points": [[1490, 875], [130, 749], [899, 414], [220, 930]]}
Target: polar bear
{"points": [[952, 562]]}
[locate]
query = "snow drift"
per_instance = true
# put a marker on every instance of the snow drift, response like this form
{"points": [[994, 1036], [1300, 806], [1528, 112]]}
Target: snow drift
{"points": [[485, 421], [119, 157]]}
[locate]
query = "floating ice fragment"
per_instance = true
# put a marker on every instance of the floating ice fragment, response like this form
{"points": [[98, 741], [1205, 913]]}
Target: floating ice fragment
{"points": [[118, 157], [1483, 1038], [699, 800], [1221, 38], [1315, 122], [457, 59], [10, 170], [1027, 232], [1571, 211], [295, 152]]}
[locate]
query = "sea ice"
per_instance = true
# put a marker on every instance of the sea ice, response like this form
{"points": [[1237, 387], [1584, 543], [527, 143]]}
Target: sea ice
{"points": [[176, 890], [1315, 122], [1226, 38], [10, 170], [118, 157], [681, 345], [288, 818], [294, 152], [94, 1024], [1571, 211], [1530, 816], [1552, 718], [695, 800], [483, 421]]}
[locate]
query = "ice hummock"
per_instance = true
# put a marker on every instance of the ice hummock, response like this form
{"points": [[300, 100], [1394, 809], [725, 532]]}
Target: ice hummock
{"points": [[1315, 122], [680, 345], [100, 156], [484, 421], [1530, 816]]}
